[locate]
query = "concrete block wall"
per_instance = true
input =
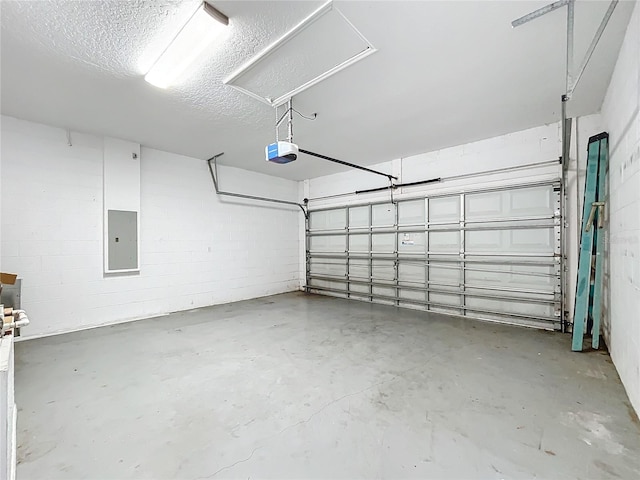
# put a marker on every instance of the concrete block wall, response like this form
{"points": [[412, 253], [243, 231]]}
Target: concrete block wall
{"points": [[536, 145], [196, 248], [621, 118]]}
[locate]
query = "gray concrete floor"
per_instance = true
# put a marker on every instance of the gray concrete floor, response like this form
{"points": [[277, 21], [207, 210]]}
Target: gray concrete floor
{"points": [[303, 386]]}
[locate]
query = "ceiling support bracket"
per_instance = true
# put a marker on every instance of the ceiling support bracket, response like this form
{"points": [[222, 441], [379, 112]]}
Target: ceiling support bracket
{"points": [[539, 12], [288, 114], [290, 121], [571, 81], [592, 46]]}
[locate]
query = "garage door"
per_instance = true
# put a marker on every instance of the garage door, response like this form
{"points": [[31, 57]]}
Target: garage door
{"points": [[490, 254]]}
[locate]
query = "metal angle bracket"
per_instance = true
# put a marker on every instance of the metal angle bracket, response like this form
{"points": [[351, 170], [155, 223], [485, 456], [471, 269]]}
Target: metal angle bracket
{"points": [[539, 12], [592, 46], [571, 80], [288, 115]]}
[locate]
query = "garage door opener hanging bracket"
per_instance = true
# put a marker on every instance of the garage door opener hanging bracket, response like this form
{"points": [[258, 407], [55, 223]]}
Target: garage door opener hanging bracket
{"points": [[289, 115]]}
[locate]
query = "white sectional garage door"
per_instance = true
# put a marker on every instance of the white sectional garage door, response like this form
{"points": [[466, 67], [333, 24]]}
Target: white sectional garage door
{"points": [[491, 254]]}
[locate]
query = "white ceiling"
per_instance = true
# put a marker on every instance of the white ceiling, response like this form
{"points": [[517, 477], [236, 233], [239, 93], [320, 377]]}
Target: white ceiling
{"points": [[445, 73]]}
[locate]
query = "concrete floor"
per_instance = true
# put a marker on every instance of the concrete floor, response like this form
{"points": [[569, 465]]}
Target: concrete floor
{"points": [[301, 386]]}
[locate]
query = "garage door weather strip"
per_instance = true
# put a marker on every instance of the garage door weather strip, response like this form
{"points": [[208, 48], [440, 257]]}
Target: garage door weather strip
{"points": [[214, 173]]}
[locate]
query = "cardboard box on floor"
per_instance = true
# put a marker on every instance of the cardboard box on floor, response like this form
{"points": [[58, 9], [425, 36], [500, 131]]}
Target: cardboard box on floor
{"points": [[7, 317], [8, 278]]}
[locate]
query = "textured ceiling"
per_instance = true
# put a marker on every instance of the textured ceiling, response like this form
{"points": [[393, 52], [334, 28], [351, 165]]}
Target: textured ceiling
{"points": [[445, 73]]}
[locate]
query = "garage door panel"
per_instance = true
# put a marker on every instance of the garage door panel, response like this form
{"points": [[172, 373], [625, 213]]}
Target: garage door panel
{"points": [[518, 308], [449, 274], [412, 243], [499, 275], [383, 242], [445, 310], [522, 202], [329, 266], [448, 304], [328, 219], [505, 292], [384, 291], [532, 201], [383, 215], [453, 299], [483, 205], [359, 243], [444, 209], [359, 269], [481, 241], [328, 243], [383, 270], [411, 273], [444, 242], [411, 212], [411, 294], [358, 217], [522, 277], [359, 288], [338, 286], [532, 240], [535, 277], [362, 298], [521, 240]]}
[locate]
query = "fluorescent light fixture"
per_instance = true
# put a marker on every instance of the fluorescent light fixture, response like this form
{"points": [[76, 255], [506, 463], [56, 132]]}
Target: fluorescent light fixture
{"points": [[204, 26]]}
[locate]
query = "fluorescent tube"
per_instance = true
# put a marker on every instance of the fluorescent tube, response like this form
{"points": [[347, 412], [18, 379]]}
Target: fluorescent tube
{"points": [[205, 25]]}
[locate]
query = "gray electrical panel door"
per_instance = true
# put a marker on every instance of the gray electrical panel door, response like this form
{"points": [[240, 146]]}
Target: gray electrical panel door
{"points": [[123, 239]]}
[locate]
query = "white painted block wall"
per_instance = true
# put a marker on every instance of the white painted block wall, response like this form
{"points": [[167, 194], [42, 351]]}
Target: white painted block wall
{"points": [[536, 145], [120, 189], [621, 118], [196, 249]]}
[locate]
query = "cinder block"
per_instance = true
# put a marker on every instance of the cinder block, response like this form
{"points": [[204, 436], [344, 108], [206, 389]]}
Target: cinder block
{"points": [[190, 240]]}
